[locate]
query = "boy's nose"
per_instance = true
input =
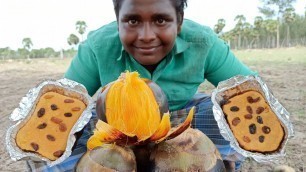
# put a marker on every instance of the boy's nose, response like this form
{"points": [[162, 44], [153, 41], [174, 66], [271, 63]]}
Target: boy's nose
{"points": [[146, 33]]}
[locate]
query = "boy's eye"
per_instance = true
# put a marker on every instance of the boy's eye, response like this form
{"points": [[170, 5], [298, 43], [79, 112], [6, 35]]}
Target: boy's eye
{"points": [[160, 21], [133, 22]]}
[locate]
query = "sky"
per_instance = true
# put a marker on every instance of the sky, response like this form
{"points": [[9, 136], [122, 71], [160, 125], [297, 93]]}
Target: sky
{"points": [[49, 22]]}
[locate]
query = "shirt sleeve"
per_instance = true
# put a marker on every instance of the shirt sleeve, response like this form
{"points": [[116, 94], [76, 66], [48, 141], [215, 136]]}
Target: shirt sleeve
{"points": [[221, 64], [84, 69]]}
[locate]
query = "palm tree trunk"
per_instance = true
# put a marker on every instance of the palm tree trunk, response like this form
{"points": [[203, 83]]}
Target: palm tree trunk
{"points": [[277, 36], [239, 41], [251, 44], [277, 33], [246, 42], [288, 35], [62, 53]]}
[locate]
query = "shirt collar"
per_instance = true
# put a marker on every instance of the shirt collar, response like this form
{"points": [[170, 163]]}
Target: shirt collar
{"points": [[179, 47], [122, 53]]}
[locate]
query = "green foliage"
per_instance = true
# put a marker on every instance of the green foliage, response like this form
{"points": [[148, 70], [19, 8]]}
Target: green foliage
{"points": [[44, 52], [270, 26], [73, 39], [297, 28], [258, 22], [289, 15], [69, 53], [263, 32], [272, 8], [275, 8], [28, 52], [219, 26], [6, 53], [27, 43], [21, 53], [81, 27]]}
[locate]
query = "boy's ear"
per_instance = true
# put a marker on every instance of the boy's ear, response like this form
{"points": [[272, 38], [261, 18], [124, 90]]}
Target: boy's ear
{"points": [[180, 22], [179, 28], [117, 25]]}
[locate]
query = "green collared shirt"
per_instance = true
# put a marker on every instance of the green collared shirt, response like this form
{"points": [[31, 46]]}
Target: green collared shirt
{"points": [[198, 54]]}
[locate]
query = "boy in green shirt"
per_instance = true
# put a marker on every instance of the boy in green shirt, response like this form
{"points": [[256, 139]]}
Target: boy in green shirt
{"points": [[151, 37]]}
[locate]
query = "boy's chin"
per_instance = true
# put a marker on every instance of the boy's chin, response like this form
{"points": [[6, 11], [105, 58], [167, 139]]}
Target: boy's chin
{"points": [[148, 60]]}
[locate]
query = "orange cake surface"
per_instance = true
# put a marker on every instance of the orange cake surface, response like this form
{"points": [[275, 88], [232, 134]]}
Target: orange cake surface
{"points": [[47, 130], [253, 123]]}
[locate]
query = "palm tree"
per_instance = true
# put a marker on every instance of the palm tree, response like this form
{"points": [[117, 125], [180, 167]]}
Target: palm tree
{"points": [[289, 17], [276, 8], [254, 34], [258, 22], [73, 40], [247, 33], [271, 27], [27, 45], [239, 27], [81, 27], [219, 26], [6, 52]]}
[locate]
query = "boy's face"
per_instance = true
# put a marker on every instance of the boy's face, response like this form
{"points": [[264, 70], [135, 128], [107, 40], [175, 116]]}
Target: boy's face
{"points": [[147, 29]]}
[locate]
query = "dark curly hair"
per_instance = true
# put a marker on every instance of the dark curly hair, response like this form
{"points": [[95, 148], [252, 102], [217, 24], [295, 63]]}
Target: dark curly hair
{"points": [[179, 5]]}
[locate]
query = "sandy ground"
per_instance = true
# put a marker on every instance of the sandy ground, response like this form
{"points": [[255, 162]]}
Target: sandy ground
{"points": [[286, 81]]}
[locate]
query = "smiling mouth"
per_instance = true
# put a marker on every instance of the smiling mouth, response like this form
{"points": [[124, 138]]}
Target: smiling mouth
{"points": [[147, 49]]}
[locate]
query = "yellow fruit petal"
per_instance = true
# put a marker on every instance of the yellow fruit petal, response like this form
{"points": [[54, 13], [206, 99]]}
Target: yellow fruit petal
{"points": [[182, 127], [93, 142], [131, 106], [108, 134], [162, 129], [104, 129]]}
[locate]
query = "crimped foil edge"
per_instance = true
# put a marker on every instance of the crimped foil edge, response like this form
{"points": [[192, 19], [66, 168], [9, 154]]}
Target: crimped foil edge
{"points": [[282, 114], [22, 114]]}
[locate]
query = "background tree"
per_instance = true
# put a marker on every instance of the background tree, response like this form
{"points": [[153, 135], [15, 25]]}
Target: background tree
{"points": [[22, 53], [272, 8], [258, 22], [271, 28], [73, 40], [247, 33], [239, 27], [81, 27], [6, 53], [288, 17], [219, 26], [258, 30], [27, 45], [49, 52]]}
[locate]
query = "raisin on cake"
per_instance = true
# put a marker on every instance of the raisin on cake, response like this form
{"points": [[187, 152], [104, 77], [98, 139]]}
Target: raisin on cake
{"points": [[253, 123], [47, 130]]}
